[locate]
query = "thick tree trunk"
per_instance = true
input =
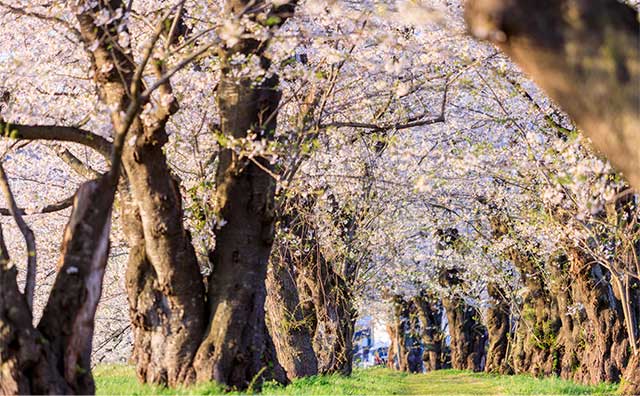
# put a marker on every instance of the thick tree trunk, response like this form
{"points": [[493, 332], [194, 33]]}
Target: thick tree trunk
{"points": [[288, 323], [24, 363], [467, 334], [234, 348], [571, 330], [608, 348], [335, 315], [55, 358], [585, 54], [536, 348], [166, 292], [631, 383], [166, 289], [430, 313], [499, 329]]}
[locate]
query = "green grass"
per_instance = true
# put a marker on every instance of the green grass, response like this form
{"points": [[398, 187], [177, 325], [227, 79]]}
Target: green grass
{"points": [[120, 380]]}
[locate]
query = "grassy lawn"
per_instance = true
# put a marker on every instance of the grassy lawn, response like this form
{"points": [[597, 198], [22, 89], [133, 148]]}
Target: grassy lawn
{"points": [[120, 380]]}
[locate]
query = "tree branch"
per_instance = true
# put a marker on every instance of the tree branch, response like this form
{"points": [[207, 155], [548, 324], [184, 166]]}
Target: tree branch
{"points": [[409, 123], [54, 207], [30, 285], [57, 133], [75, 164]]}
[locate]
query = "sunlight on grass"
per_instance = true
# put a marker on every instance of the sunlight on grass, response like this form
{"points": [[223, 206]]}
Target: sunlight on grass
{"points": [[121, 380]]}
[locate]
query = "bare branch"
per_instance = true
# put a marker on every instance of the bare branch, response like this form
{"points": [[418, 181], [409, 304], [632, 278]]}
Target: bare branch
{"points": [[57, 133], [30, 286], [54, 207], [409, 123], [75, 164]]}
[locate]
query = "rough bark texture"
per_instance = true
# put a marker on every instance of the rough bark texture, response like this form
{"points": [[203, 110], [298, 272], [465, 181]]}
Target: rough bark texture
{"points": [[166, 292], [335, 315], [289, 326], [499, 330], [585, 54], [536, 347], [607, 353], [631, 383], [430, 312], [24, 363], [55, 358], [392, 355], [571, 333], [172, 304], [468, 335], [233, 350]]}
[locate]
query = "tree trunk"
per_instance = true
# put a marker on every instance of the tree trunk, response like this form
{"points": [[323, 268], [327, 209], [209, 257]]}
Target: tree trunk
{"points": [[536, 348], [392, 355], [585, 54], [571, 330], [24, 363], [234, 348], [288, 323], [414, 354], [608, 348], [499, 329], [167, 292], [333, 341], [55, 358], [631, 382], [430, 313], [467, 334]]}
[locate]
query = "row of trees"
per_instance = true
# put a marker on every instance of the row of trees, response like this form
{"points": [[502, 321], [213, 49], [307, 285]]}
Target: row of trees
{"points": [[256, 155]]}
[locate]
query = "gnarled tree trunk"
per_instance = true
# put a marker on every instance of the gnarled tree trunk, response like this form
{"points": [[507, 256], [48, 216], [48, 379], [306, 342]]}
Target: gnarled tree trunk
{"points": [[430, 312], [536, 348], [607, 353], [468, 334], [234, 349], [499, 330], [288, 324], [55, 357]]}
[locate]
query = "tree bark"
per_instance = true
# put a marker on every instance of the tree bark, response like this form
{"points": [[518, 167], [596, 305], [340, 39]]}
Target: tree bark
{"points": [[333, 340], [536, 347], [400, 329], [232, 352], [499, 330], [167, 293], [392, 355], [608, 348], [468, 334], [631, 383], [24, 363], [55, 357], [289, 326], [430, 313], [585, 55]]}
